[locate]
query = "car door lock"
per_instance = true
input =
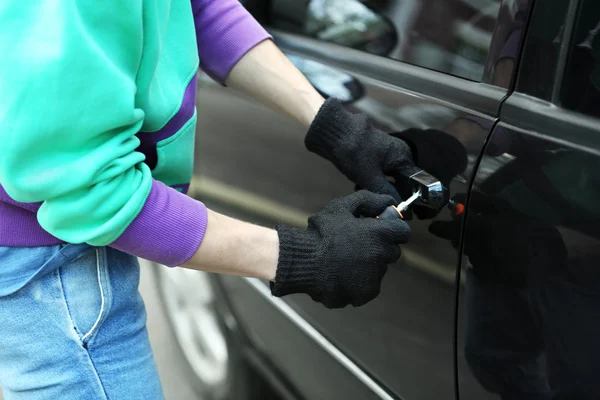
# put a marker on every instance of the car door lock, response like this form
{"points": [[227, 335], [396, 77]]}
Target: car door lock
{"points": [[433, 193]]}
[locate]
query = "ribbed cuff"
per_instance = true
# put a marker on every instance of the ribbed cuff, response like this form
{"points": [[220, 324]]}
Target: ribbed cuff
{"points": [[225, 32], [168, 230], [328, 128], [296, 269]]}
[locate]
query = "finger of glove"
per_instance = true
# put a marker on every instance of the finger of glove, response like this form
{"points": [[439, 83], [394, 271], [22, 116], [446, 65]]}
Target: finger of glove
{"points": [[379, 184], [437, 152], [444, 229], [389, 231], [395, 255], [367, 204], [398, 157]]}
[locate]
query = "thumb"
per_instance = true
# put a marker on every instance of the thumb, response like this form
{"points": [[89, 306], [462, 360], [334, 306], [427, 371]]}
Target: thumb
{"points": [[367, 204]]}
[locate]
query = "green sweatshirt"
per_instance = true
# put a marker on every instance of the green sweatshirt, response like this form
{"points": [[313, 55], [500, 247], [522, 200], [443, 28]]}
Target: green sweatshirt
{"points": [[97, 118]]}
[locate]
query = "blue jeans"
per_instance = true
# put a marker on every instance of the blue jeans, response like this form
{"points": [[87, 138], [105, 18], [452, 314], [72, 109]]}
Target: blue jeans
{"points": [[78, 331]]}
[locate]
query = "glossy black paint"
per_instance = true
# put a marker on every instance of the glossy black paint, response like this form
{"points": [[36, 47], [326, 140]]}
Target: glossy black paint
{"points": [[530, 303], [404, 340]]}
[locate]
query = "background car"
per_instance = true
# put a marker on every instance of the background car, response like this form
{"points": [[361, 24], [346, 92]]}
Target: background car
{"points": [[500, 302]]}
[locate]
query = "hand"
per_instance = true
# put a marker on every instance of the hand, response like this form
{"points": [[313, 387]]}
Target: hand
{"points": [[340, 258], [437, 152], [361, 152], [502, 243]]}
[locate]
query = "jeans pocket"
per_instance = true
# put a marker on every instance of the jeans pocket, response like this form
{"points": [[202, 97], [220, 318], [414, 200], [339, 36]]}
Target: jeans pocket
{"points": [[87, 293]]}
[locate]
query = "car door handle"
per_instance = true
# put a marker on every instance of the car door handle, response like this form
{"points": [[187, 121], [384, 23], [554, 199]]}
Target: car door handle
{"points": [[433, 193]]}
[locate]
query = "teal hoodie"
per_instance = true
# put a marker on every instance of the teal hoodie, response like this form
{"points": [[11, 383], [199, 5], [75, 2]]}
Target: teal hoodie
{"points": [[97, 119]]}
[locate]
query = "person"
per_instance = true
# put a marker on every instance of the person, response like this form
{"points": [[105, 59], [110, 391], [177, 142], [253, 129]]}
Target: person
{"points": [[97, 118]]}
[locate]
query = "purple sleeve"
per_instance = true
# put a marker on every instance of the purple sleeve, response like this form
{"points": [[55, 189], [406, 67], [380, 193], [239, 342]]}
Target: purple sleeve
{"points": [[225, 31], [168, 230], [511, 47]]}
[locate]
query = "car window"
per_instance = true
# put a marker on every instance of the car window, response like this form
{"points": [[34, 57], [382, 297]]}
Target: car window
{"points": [[465, 38], [581, 84]]}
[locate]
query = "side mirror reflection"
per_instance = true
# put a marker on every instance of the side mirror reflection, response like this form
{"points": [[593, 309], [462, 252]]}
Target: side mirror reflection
{"points": [[328, 81], [352, 24]]}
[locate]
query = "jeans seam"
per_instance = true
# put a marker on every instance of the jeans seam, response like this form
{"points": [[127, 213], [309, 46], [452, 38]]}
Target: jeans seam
{"points": [[82, 347], [64, 298], [103, 300], [105, 289]]}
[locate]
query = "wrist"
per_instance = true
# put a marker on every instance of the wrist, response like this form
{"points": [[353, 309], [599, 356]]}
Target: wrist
{"points": [[297, 264], [234, 247], [331, 125], [309, 111]]}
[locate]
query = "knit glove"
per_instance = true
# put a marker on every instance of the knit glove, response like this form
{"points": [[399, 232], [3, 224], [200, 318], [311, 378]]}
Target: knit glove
{"points": [[340, 258], [437, 152], [360, 151]]}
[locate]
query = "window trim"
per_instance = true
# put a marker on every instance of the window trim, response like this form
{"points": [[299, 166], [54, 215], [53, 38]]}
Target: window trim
{"points": [[565, 50], [528, 114], [459, 93]]}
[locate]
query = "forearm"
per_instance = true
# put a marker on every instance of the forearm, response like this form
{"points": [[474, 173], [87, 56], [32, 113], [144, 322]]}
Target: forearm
{"points": [[268, 76], [234, 247]]}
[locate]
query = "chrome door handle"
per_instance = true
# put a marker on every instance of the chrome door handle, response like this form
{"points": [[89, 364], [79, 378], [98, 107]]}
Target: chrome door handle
{"points": [[433, 193]]}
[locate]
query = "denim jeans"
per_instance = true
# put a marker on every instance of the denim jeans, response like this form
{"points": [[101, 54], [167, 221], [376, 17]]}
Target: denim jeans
{"points": [[77, 331]]}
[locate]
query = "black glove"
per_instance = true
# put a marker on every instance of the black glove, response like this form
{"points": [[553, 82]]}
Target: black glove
{"points": [[340, 258], [361, 152], [503, 244], [437, 152]]}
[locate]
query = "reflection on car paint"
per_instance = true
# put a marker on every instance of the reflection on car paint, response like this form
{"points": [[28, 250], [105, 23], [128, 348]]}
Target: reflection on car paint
{"points": [[452, 36], [530, 307], [532, 293]]}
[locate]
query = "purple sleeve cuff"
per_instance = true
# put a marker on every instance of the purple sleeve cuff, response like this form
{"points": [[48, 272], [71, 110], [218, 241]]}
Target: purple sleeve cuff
{"points": [[225, 32], [511, 47], [168, 230]]}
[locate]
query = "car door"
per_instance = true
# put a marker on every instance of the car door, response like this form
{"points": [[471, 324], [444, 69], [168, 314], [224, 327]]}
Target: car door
{"points": [[530, 299], [426, 64]]}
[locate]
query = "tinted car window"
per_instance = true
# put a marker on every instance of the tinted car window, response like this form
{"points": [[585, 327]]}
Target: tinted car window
{"points": [[581, 85], [545, 36], [458, 37]]}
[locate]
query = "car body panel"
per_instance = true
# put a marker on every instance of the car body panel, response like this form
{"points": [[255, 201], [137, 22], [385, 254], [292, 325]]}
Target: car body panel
{"points": [[251, 163], [528, 312]]}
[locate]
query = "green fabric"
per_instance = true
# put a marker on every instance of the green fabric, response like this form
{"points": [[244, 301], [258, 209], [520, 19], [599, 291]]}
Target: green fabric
{"points": [[175, 158], [78, 80]]}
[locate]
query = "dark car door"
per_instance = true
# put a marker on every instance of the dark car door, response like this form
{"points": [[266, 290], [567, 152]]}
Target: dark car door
{"points": [[529, 316], [424, 64]]}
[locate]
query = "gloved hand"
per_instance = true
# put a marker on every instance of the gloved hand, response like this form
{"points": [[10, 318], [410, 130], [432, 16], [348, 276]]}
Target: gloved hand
{"points": [[503, 244], [437, 152], [361, 152], [340, 258]]}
